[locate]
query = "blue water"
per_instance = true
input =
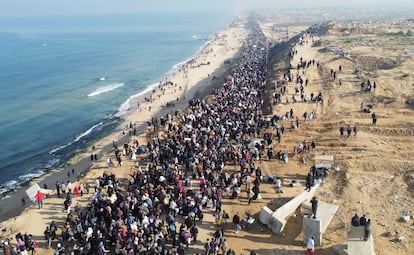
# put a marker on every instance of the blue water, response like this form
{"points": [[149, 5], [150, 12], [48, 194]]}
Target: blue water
{"points": [[50, 91]]}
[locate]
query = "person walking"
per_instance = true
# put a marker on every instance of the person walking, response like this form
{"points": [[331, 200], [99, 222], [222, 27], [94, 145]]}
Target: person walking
{"points": [[310, 246], [309, 181], [348, 131], [21, 247], [224, 246], [374, 118], [48, 236], [7, 249], [58, 188], [341, 131], [314, 203], [39, 197], [59, 249], [207, 246]]}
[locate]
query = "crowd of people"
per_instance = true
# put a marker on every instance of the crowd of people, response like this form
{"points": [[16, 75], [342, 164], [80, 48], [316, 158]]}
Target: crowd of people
{"points": [[25, 244], [160, 210]]}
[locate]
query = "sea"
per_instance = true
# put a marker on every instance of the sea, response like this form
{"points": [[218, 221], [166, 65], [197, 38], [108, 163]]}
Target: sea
{"points": [[65, 81]]}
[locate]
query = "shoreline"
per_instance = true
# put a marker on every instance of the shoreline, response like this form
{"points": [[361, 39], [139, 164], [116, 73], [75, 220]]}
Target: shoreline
{"points": [[116, 118], [11, 205]]}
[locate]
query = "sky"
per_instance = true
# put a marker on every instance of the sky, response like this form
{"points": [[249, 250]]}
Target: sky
{"points": [[26, 8]]}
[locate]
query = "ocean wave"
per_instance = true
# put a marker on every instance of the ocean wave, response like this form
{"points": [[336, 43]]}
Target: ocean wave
{"points": [[31, 176], [104, 89], [179, 65], [14, 184], [77, 139], [126, 106], [8, 186], [59, 148], [87, 132]]}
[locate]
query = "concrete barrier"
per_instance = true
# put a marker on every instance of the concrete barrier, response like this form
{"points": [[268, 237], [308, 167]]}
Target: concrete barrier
{"points": [[290, 207], [316, 227], [312, 228], [356, 233], [265, 215], [276, 220], [356, 243], [276, 224]]}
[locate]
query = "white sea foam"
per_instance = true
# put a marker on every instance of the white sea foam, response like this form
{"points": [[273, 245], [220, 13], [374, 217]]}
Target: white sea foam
{"points": [[31, 176], [52, 162], [8, 186], [3, 190], [105, 89], [59, 148], [78, 137], [87, 131], [126, 106]]}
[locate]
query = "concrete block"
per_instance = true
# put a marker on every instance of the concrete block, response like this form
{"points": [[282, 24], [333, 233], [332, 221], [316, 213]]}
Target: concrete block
{"points": [[291, 206], [276, 220], [326, 212], [341, 249], [316, 227], [265, 215], [361, 247], [276, 224], [356, 233], [356, 243], [312, 227]]}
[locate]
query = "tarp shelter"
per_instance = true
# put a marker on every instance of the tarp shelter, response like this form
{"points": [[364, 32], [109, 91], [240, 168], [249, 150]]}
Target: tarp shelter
{"points": [[32, 191]]}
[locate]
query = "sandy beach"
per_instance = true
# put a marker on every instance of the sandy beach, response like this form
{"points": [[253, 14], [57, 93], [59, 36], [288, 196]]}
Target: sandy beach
{"points": [[375, 170], [196, 77]]}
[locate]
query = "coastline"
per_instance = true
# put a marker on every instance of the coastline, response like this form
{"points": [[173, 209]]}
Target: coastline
{"points": [[11, 205], [40, 158]]}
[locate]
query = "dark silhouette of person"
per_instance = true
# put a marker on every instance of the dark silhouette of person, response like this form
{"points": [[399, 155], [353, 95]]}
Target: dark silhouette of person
{"points": [[341, 131], [314, 203], [308, 182], [355, 220], [374, 118]]}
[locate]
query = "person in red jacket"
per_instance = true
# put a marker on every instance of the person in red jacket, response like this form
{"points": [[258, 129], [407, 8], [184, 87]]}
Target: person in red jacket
{"points": [[39, 197]]}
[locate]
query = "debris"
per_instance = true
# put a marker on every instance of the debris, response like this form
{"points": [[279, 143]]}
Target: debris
{"points": [[390, 234], [399, 239], [405, 218]]}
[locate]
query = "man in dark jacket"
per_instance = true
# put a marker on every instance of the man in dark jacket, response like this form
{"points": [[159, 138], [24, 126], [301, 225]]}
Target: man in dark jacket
{"points": [[314, 203]]}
